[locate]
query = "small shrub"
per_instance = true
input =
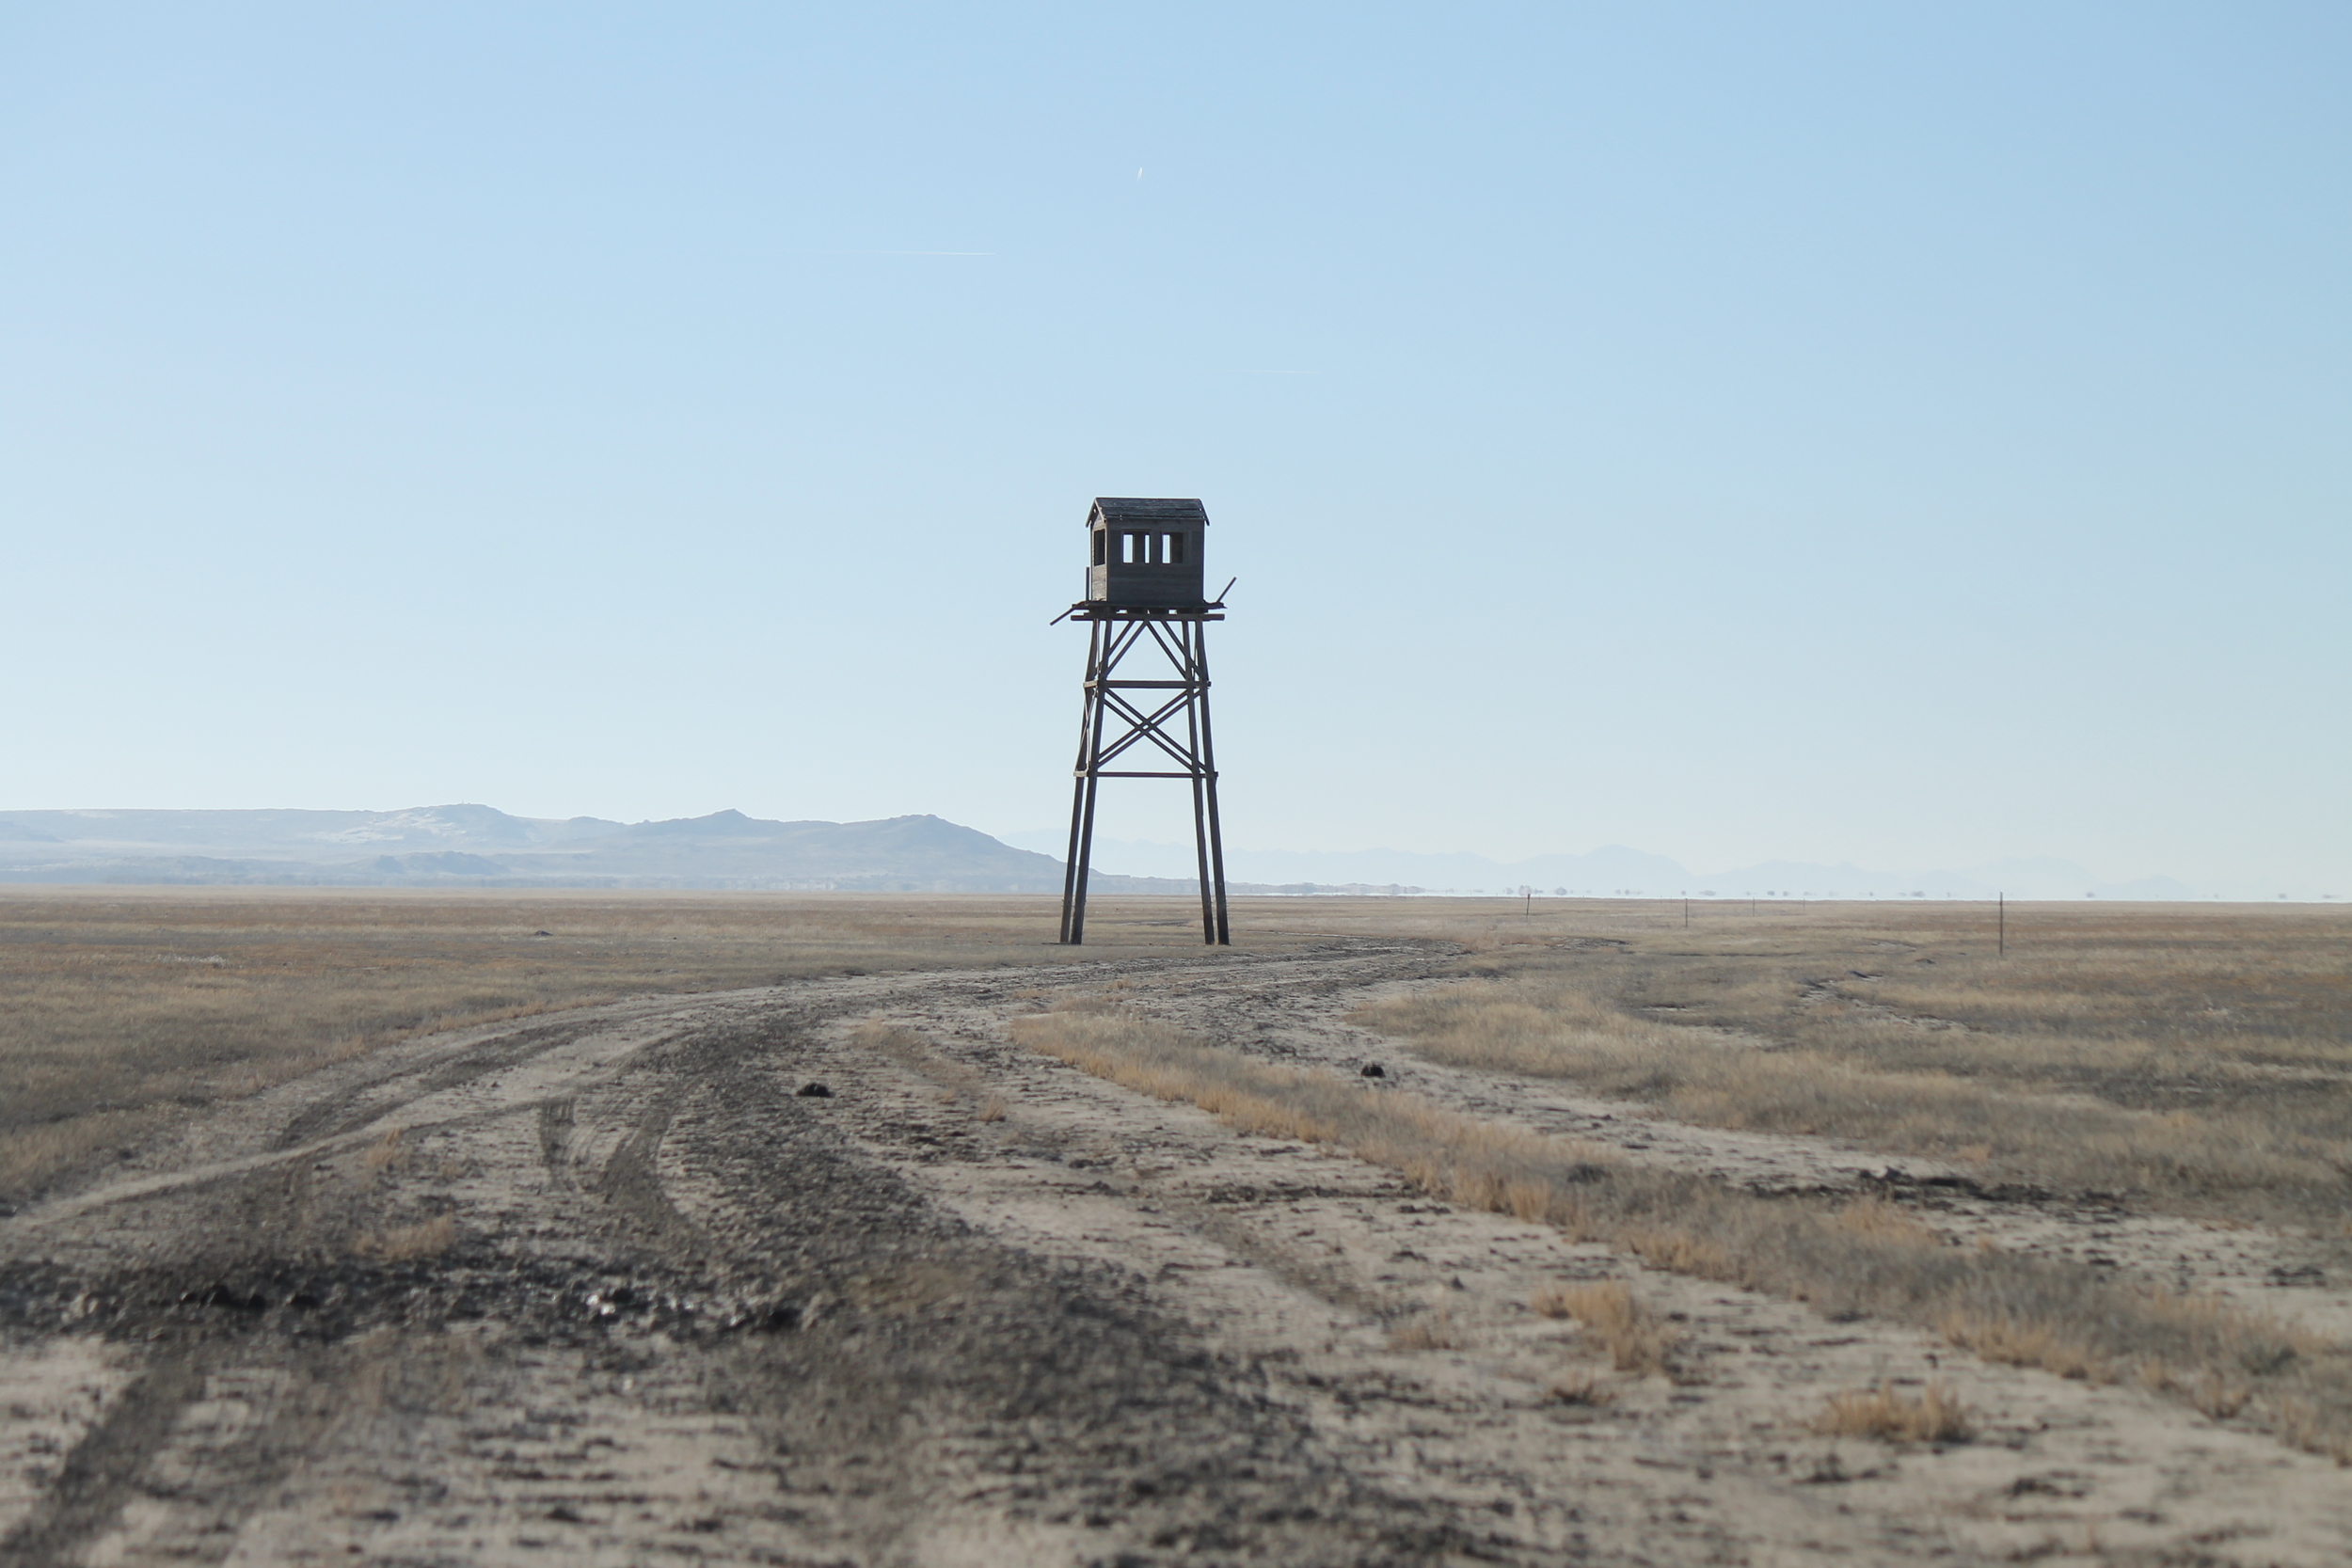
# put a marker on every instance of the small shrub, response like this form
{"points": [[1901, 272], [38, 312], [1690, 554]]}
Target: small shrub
{"points": [[2217, 1397], [1936, 1416], [2017, 1343], [1583, 1388], [1432, 1330], [406, 1243], [1635, 1340], [1680, 1252]]}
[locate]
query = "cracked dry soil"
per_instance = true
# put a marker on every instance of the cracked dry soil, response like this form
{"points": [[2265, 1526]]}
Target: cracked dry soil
{"points": [[608, 1287]]}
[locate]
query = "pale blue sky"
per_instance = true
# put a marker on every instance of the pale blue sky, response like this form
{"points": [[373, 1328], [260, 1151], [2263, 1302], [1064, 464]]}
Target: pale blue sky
{"points": [[1908, 434]]}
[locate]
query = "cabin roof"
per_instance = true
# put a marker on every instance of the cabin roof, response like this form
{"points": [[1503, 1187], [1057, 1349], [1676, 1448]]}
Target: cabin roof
{"points": [[1147, 512]]}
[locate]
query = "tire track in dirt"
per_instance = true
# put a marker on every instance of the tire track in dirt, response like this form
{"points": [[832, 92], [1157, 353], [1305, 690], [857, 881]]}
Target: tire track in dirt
{"points": [[898, 1345], [350, 1110], [631, 1184], [685, 1310], [100, 1474], [2260, 1268], [1051, 1402], [1299, 1266]]}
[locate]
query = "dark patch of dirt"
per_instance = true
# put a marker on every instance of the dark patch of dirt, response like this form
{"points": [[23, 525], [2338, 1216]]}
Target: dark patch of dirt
{"points": [[875, 1344]]}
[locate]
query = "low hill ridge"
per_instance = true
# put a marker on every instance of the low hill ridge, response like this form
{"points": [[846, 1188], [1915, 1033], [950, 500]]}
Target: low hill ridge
{"points": [[480, 846]]}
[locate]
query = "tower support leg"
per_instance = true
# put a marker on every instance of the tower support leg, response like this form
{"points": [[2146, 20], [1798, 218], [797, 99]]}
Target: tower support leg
{"points": [[1076, 865], [1146, 711], [1212, 843], [1072, 889], [1196, 713]]}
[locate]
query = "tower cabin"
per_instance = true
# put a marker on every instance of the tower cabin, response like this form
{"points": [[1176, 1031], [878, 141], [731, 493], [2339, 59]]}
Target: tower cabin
{"points": [[1144, 553]]}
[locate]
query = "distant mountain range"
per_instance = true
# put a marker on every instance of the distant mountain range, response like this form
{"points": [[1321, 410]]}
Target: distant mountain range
{"points": [[477, 845], [470, 846]]}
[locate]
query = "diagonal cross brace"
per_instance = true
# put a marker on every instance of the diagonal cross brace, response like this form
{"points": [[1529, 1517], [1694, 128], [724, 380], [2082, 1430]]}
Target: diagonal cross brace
{"points": [[1174, 719]]}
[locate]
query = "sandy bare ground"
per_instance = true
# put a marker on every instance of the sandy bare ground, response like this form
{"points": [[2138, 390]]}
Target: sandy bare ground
{"points": [[606, 1287]]}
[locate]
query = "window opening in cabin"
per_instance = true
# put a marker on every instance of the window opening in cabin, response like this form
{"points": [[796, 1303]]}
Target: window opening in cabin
{"points": [[1101, 544], [1172, 549]]}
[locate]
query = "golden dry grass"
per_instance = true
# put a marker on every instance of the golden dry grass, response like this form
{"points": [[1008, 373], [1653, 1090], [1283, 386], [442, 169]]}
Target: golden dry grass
{"points": [[405, 1244], [1431, 1330], [1872, 1215], [1475, 1163], [1635, 1338], [2198, 1060], [388, 1153], [1840, 1256], [1935, 1415]]}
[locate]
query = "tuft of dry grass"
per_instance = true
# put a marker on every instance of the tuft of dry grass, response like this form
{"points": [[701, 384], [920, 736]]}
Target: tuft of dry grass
{"points": [[1874, 1216], [1636, 1339], [992, 1108], [1430, 1330], [408, 1244], [2052, 1345], [1580, 1385], [1935, 1415], [2217, 1396], [1560, 1301]]}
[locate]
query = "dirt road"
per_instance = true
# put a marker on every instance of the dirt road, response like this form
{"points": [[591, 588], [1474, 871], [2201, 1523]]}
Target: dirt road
{"points": [[618, 1285]]}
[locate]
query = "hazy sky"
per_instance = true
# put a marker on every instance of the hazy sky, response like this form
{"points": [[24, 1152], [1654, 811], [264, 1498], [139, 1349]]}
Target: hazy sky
{"points": [[1914, 434]]}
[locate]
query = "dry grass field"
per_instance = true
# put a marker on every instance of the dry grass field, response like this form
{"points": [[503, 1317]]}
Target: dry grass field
{"points": [[122, 1009], [882, 1230], [1844, 1254], [2195, 1059]]}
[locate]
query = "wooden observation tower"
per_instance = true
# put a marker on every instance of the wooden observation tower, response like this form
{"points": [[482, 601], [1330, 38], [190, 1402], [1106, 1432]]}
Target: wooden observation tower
{"points": [[1144, 595]]}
